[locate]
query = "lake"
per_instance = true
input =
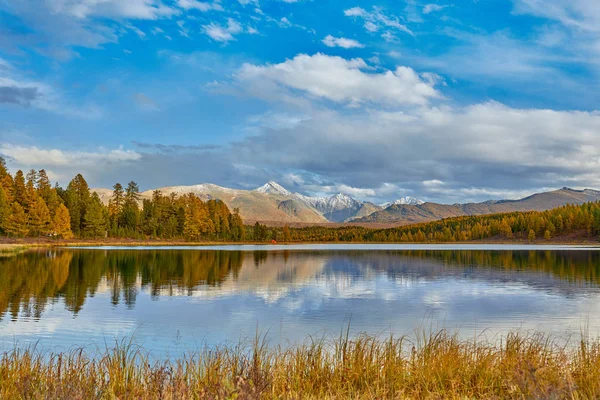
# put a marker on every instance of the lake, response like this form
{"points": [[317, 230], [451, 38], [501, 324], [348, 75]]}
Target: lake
{"points": [[172, 300]]}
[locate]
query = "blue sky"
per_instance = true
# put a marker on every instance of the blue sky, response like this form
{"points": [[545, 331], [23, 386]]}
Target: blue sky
{"points": [[446, 101]]}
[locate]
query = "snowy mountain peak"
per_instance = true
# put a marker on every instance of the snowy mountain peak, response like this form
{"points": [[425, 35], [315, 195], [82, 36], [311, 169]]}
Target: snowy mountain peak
{"points": [[273, 187], [408, 200], [341, 200]]}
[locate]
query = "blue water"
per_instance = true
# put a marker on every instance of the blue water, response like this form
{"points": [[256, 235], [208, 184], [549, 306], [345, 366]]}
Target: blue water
{"points": [[172, 300]]}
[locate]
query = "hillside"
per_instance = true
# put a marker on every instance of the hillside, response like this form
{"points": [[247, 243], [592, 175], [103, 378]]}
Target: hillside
{"points": [[417, 213], [272, 204]]}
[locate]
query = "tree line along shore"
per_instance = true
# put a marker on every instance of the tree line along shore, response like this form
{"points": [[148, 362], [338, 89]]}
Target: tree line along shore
{"points": [[34, 211]]}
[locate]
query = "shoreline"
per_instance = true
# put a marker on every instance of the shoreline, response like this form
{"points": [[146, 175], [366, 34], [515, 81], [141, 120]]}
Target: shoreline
{"points": [[22, 245]]}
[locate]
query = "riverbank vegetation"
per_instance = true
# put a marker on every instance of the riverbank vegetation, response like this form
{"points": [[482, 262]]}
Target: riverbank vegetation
{"points": [[436, 365], [30, 207]]}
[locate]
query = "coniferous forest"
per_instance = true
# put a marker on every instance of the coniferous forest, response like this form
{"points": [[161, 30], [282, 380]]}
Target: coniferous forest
{"points": [[30, 206]]}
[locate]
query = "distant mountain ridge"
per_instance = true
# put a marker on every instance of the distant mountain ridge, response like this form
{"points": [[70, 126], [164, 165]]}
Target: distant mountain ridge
{"points": [[425, 212], [272, 203]]}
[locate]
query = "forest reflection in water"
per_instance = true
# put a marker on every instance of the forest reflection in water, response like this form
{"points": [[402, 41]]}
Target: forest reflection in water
{"points": [[314, 288]]}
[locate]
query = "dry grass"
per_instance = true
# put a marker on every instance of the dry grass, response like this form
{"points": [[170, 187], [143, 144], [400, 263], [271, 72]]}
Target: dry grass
{"points": [[437, 366]]}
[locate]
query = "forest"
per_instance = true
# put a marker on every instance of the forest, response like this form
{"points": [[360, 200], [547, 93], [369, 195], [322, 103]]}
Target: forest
{"points": [[31, 207]]}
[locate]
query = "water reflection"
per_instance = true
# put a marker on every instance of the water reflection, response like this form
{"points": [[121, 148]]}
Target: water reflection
{"points": [[220, 294]]}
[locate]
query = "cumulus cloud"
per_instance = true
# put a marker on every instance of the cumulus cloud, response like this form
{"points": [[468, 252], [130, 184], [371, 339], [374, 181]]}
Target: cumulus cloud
{"points": [[339, 80], [331, 41], [448, 154]]}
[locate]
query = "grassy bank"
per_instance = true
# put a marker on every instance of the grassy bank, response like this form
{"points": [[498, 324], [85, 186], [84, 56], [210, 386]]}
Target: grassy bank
{"points": [[437, 366]]}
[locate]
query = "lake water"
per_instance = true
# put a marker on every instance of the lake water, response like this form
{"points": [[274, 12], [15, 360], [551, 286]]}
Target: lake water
{"points": [[173, 300]]}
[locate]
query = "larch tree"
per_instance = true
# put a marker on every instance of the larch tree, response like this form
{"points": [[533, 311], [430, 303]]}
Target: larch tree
{"points": [[4, 207], [16, 222], [20, 190], [39, 217], [61, 223]]}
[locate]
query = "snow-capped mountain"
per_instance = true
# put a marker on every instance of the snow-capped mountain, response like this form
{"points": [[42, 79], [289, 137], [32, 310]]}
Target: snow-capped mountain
{"points": [[337, 208], [408, 200], [273, 187]]}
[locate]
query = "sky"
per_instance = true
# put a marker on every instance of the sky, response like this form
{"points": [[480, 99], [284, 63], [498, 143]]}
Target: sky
{"points": [[446, 101]]}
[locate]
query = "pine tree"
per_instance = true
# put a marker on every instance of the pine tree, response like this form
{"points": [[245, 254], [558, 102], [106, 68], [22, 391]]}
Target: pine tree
{"points": [[115, 205], [77, 199], [39, 217], [531, 235], [16, 222], [94, 219], [61, 223], [130, 213]]}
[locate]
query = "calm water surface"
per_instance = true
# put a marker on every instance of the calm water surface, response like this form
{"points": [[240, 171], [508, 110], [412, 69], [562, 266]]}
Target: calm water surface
{"points": [[176, 299]]}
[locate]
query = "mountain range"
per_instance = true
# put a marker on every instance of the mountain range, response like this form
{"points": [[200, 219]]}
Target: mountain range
{"points": [[274, 204]]}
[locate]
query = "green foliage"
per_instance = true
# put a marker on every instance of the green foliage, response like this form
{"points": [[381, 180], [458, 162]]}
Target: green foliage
{"points": [[77, 199], [95, 219]]}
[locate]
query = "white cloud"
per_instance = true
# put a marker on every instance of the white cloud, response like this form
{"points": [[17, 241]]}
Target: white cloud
{"points": [[339, 80], [284, 22], [389, 37], [433, 183], [199, 5], [134, 9], [33, 156], [223, 33], [377, 18], [429, 8], [579, 14], [572, 26], [331, 41]]}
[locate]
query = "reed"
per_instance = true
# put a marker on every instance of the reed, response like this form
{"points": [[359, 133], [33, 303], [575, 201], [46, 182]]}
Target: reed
{"points": [[437, 365]]}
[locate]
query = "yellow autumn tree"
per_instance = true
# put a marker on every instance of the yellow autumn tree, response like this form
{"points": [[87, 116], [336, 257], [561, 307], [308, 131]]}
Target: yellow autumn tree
{"points": [[16, 222], [39, 217], [61, 223]]}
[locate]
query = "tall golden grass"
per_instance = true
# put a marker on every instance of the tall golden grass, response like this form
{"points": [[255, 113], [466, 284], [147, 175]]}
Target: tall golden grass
{"points": [[438, 365]]}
